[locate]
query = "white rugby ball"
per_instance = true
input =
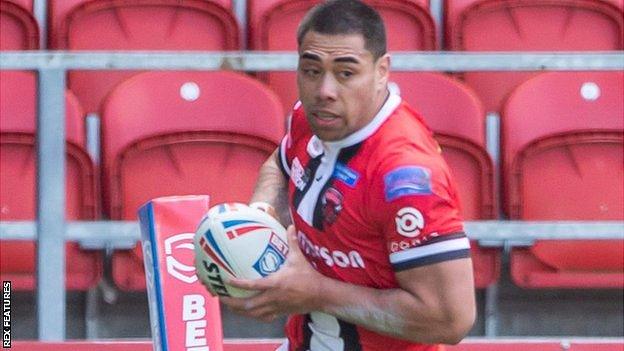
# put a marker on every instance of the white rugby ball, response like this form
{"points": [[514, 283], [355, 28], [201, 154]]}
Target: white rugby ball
{"points": [[236, 240]]}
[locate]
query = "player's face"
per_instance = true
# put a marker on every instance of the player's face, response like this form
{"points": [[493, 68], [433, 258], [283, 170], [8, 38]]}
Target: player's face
{"points": [[340, 85]]}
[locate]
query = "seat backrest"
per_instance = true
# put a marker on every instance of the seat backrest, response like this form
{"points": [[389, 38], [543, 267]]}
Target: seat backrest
{"points": [[529, 25], [562, 147], [123, 25], [209, 133], [18, 179], [456, 116], [273, 23], [18, 128], [18, 27], [273, 27]]}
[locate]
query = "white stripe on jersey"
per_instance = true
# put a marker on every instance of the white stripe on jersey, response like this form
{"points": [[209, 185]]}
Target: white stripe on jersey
{"points": [[430, 250], [282, 154], [322, 175], [325, 333]]}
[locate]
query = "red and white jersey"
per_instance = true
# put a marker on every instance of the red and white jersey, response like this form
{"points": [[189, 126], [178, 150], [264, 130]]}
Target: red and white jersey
{"points": [[379, 201]]}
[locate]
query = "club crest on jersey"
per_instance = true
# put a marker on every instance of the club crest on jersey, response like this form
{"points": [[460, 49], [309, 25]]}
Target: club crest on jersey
{"points": [[273, 256], [332, 204], [299, 175], [407, 180], [409, 222]]}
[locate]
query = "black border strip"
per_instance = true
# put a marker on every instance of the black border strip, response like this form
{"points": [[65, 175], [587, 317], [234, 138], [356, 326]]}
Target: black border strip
{"points": [[427, 260]]}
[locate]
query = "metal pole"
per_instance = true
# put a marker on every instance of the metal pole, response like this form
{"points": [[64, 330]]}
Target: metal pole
{"points": [[437, 11], [491, 311], [492, 142], [51, 205], [240, 11], [40, 10]]}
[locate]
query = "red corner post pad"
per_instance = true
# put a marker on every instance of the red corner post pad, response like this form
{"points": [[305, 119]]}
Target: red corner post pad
{"points": [[183, 316]]}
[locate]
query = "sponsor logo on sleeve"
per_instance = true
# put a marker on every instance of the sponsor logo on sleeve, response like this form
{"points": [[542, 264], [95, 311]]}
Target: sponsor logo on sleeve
{"points": [[409, 222], [407, 180]]}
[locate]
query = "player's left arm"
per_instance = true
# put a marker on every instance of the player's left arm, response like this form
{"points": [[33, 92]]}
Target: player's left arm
{"points": [[434, 304]]}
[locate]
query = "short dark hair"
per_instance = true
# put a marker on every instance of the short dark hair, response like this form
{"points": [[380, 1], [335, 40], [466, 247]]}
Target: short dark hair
{"points": [[346, 17]]}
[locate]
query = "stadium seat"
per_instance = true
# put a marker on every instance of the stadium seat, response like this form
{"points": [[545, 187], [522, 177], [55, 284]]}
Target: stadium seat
{"points": [[209, 133], [456, 116], [124, 25], [273, 26], [528, 25], [563, 152], [18, 28], [17, 194]]}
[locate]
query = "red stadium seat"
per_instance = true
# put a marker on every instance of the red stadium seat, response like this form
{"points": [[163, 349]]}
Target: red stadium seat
{"points": [[208, 133], [528, 25], [563, 152], [17, 195], [18, 28], [123, 25], [273, 26], [460, 129]]}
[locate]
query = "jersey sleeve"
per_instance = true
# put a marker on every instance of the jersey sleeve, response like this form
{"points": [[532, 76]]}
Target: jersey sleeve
{"points": [[415, 205]]}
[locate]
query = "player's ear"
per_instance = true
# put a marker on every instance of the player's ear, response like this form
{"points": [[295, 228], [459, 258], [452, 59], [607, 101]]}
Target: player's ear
{"points": [[382, 71]]}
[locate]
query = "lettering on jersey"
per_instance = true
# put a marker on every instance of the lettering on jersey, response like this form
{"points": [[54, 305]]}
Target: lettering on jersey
{"points": [[298, 175], [330, 258], [401, 245], [409, 222], [407, 180], [332, 204], [346, 175]]}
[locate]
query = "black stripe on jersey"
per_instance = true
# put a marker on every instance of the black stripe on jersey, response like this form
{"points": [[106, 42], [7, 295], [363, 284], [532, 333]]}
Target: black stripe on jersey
{"points": [[281, 164], [344, 157], [423, 261], [307, 333], [310, 171], [444, 237], [317, 220], [350, 335]]}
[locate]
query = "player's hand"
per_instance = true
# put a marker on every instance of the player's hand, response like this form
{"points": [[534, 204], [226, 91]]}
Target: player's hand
{"points": [[294, 288]]}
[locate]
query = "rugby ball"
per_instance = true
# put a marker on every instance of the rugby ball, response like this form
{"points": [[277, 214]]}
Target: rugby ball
{"points": [[236, 240]]}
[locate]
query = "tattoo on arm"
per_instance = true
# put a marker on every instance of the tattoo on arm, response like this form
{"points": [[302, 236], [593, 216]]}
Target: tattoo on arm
{"points": [[272, 187]]}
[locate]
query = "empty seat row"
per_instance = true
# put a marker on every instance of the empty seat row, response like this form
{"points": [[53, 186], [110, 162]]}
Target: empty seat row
{"points": [[211, 131], [17, 179], [470, 25]]}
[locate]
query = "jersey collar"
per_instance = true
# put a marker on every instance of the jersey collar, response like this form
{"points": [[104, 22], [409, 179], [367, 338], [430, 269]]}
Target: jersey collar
{"points": [[393, 101]]}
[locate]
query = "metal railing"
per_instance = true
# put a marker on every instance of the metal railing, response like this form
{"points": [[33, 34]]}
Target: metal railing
{"points": [[54, 230]]}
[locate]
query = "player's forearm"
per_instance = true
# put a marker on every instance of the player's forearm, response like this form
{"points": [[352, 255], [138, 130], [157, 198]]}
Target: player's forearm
{"points": [[272, 188], [393, 312]]}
